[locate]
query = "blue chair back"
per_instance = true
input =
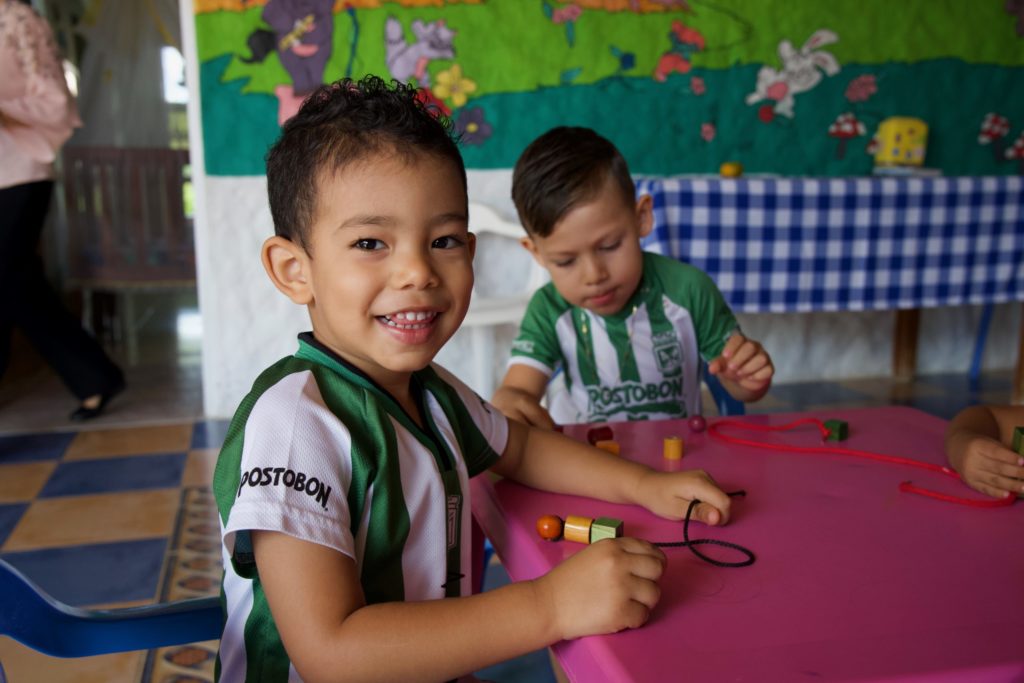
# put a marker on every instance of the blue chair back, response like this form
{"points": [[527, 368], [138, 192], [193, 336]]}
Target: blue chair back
{"points": [[727, 405], [37, 620]]}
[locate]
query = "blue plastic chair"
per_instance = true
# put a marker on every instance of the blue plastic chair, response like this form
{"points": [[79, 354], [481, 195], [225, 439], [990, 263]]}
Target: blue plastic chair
{"points": [[35, 619]]}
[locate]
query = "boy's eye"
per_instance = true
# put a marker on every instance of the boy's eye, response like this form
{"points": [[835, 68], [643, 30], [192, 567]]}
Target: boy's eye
{"points": [[610, 247], [368, 244], [565, 263], [447, 242]]}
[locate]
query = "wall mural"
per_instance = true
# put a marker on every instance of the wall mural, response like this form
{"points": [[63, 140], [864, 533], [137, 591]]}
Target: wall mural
{"points": [[790, 87]]}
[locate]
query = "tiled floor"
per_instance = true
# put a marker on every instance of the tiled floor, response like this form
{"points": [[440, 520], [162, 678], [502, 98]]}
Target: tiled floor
{"points": [[121, 514]]}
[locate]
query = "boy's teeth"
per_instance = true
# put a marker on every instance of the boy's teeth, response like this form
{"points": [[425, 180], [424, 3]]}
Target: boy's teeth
{"points": [[409, 318]]}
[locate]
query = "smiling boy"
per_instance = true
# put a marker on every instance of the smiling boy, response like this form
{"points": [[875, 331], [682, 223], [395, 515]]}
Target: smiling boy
{"points": [[629, 328], [342, 485]]}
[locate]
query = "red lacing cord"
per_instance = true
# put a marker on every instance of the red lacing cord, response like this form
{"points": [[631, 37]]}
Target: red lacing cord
{"points": [[714, 429]]}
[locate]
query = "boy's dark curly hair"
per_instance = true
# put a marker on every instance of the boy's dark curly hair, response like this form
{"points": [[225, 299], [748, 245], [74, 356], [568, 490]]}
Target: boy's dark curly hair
{"points": [[341, 123], [561, 169]]}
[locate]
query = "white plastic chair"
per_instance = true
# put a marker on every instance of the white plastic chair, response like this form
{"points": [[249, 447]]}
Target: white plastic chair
{"points": [[488, 311]]}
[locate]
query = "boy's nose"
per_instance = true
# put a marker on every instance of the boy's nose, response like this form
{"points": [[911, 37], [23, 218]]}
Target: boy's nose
{"points": [[594, 270], [414, 270]]}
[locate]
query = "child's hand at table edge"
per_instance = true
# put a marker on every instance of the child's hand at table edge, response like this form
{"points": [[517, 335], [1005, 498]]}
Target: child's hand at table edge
{"points": [[668, 495], [991, 468], [606, 587], [746, 364]]}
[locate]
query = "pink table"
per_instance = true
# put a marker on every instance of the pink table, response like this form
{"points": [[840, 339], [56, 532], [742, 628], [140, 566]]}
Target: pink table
{"points": [[854, 580]]}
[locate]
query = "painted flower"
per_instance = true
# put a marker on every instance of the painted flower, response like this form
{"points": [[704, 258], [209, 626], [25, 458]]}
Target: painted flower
{"points": [[566, 13], [697, 85], [708, 131], [668, 63], [451, 84], [862, 88], [472, 127]]}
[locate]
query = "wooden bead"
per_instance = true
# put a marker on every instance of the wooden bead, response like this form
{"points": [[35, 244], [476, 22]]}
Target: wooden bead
{"points": [[577, 529], [698, 423], [596, 434], [837, 430], [549, 527], [610, 446], [672, 448], [1018, 440], [605, 527]]}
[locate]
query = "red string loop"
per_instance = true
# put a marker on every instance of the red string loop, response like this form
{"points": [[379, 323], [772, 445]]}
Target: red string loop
{"points": [[907, 487]]}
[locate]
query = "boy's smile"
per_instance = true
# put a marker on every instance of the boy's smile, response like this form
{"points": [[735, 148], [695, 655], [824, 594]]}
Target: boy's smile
{"points": [[390, 264], [593, 254]]}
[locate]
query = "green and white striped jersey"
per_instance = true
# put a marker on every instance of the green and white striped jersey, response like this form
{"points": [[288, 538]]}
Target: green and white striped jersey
{"points": [[318, 451], [640, 363]]}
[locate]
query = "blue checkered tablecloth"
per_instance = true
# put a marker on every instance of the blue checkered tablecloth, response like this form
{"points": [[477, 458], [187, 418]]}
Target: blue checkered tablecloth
{"points": [[826, 244]]}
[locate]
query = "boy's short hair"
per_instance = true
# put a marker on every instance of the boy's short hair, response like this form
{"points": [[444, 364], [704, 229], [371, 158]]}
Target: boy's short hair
{"points": [[560, 170], [341, 123]]}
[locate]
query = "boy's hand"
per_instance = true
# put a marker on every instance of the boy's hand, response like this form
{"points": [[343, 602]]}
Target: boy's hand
{"points": [[668, 495], [745, 363], [520, 405], [992, 468], [604, 588]]}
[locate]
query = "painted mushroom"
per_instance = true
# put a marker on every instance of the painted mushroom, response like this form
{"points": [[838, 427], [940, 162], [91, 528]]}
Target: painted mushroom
{"points": [[845, 127]]}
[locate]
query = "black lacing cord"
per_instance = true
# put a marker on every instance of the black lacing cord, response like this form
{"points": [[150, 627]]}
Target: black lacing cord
{"points": [[686, 542]]}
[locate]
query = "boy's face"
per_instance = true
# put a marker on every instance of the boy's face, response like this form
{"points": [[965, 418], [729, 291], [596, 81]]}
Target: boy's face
{"points": [[593, 254], [391, 263]]}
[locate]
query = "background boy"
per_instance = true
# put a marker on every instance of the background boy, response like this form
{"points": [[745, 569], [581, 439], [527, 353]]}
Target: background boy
{"points": [[629, 328], [342, 483], [980, 446]]}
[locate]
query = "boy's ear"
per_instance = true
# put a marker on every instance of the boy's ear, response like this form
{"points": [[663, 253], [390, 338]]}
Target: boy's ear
{"points": [[287, 266], [531, 247], [645, 215]]}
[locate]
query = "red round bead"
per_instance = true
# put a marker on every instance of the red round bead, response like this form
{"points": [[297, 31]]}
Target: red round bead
{"points": [[698, 423], [549, 527]]}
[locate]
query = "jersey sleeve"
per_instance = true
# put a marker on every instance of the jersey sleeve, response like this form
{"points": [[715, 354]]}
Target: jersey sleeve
{"points": [[537, 342], [294, 469], [481, 429], [713, 319]]}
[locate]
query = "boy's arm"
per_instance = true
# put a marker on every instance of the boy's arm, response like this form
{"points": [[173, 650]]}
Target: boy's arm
{"points": [[317, 603], [978, 441], [744, 368], [519, 396], [553, 462]]}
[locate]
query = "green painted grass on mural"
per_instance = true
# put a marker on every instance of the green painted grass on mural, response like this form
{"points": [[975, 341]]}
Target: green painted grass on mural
{"points": [[659, 126]]}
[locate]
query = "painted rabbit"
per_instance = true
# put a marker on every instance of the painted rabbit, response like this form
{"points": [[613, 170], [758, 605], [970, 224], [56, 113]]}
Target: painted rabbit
{"points": [[801, 71]]}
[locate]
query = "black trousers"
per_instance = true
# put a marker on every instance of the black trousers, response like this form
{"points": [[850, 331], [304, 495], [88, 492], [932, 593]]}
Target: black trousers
{"points": [[30, 303]]}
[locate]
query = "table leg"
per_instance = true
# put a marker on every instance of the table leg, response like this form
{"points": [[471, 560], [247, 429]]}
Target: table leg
{"points": [[904, 344], [1018, 376]]}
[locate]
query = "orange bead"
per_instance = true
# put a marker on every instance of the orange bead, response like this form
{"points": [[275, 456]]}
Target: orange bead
{"points": [[549, 527]]}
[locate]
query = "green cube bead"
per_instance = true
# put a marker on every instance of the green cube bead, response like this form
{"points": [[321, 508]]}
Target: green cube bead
{"points": [[605, 527], [1018, 440], [837, 430]]}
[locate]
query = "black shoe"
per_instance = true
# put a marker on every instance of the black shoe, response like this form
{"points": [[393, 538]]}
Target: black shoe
{"points": [[83, 413]]}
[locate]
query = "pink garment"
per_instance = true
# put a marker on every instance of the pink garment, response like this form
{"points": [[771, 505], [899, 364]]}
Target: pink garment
{"points": [[37, 111]]}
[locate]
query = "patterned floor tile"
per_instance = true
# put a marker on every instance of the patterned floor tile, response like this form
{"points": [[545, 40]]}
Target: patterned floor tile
{"points": [[23, 665], [102, 518], [209, 433], [23, 481], [107, 475], [30, 447], [9, 517], [199, 467], [111, 443]]}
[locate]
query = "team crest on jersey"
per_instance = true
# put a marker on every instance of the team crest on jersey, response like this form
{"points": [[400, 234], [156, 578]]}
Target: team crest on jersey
{"points": [[667, 353]]}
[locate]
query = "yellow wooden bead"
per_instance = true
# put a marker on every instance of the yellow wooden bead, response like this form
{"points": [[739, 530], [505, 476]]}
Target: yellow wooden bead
{"points": [[577, 529], [673, 448], [610, 446]]}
